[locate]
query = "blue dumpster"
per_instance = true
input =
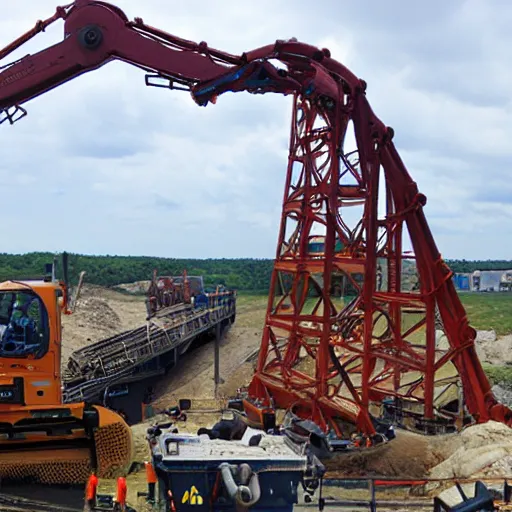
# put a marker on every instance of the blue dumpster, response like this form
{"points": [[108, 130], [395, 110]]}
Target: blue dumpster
{"points": [[201, 474], [461, 281]]}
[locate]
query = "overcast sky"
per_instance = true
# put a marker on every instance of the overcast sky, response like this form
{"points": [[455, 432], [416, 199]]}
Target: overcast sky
{"points": [[105, 165]]}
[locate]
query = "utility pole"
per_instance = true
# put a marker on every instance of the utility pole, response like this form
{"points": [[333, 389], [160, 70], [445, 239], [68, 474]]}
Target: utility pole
{"points": [[216, 376]]}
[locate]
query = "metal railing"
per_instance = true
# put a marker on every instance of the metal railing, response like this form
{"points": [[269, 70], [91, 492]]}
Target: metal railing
{"points": [[345, 493]]}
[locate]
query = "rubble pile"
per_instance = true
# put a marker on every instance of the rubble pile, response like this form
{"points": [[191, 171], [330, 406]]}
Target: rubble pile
{"points": [[492, 349], [97, 312], [503, 395]]}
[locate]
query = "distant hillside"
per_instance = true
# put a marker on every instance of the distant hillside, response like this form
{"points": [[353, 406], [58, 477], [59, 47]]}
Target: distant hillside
{"points": [[243, 274]]}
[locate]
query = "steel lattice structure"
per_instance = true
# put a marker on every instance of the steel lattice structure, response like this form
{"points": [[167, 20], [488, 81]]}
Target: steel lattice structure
{"points": [[403, 326]]}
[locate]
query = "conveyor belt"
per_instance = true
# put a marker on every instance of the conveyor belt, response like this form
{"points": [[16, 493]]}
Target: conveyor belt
{"points": [[93, 368]]}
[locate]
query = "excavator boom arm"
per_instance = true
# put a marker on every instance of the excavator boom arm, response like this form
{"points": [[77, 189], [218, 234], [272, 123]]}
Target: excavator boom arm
{"points": [[96, 33]]}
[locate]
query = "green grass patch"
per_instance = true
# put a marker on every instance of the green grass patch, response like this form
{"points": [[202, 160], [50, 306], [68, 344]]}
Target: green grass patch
{"points": [[488, 311], [499, 374], [485, 311], [251, 310]]}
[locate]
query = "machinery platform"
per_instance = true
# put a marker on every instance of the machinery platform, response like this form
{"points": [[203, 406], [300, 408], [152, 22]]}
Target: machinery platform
{"points": [[127, 357]]}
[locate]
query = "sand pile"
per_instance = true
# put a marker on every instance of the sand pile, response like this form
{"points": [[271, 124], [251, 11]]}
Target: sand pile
{"points": [[95, 311], [406, 456], [480, 450]]}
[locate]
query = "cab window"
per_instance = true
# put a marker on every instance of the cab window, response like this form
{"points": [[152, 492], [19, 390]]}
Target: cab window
{"points": [[24, 330]]}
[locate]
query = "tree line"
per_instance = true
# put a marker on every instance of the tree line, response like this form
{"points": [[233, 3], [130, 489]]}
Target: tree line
{"points": [[245, 274], [241, 274], [466, 266]]}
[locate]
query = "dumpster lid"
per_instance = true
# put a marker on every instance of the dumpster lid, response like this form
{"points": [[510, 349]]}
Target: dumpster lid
{"points": [[189, 447]]}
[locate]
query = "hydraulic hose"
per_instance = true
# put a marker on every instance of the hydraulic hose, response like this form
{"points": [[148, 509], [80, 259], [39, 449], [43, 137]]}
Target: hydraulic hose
{"points": [[244, 495]]}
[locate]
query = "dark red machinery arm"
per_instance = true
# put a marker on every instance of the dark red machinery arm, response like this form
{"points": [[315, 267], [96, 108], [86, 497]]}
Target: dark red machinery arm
{"points": [[97, 32]]}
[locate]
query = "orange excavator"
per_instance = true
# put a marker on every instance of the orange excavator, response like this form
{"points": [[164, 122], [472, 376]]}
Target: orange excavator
{"points": [[53, 442]]}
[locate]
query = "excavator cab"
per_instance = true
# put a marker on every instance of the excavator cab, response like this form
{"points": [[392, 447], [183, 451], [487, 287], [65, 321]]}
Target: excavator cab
{"points": [[42, 438]]}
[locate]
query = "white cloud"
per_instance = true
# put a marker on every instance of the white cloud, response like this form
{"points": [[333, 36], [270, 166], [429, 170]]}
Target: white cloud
{"points": [[104, 164]]}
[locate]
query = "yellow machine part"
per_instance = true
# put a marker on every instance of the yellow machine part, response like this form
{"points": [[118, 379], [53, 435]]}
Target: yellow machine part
{"points": [[70, 461]]}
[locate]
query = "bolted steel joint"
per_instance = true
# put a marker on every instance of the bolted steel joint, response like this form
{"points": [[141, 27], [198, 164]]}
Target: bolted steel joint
{"points": [[90, 37]]}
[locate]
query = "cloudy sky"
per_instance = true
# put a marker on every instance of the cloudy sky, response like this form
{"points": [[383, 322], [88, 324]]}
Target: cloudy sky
{"points": [[105, 165]]}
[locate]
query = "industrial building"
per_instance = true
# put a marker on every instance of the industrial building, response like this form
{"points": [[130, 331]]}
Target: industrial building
{"points": [[484, 281]]}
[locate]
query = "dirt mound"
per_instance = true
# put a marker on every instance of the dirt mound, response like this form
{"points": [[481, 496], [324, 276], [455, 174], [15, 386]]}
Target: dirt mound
{"points": [[408, 455], [98, 312], [478, 451]]}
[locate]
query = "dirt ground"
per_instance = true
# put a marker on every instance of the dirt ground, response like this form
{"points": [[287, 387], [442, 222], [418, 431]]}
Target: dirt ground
{"points": [[101, 313], [196, 376]]}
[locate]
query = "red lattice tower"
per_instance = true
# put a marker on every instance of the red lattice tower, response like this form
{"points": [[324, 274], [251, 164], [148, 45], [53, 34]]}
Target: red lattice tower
{"points": [[353, 317]]}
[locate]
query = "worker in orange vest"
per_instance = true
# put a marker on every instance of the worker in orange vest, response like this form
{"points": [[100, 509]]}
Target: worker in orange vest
{"points": [[151, 479], [122, 491], [90, 491]]}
